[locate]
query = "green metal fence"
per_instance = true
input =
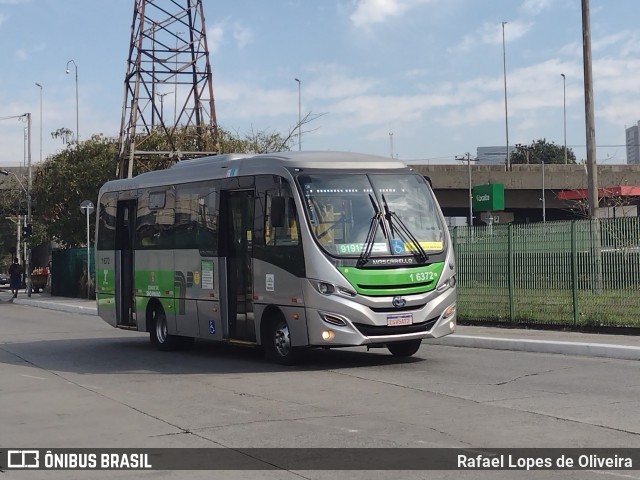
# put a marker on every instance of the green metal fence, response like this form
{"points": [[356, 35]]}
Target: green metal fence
{"points": [[68, 273], [579, 273]]}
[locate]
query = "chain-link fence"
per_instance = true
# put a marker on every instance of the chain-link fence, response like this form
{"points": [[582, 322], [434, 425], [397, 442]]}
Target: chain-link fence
{"points": [[578, 273]]}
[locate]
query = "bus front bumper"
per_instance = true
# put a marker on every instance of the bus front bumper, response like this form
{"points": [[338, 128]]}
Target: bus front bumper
{"points": [[327, 329]]}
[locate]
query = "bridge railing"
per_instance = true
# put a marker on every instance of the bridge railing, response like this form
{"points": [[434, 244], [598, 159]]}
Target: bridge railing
{"points": [[582, 273]]}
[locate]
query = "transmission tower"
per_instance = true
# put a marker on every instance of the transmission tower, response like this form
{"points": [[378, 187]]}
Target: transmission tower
{"points": [[168, 111]]}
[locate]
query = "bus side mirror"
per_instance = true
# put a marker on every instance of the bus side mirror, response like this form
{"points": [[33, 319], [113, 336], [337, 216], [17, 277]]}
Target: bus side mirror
{"points": [[278, 212]]}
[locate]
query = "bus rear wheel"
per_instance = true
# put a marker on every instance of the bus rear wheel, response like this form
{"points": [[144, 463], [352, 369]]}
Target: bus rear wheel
{"points": [[158, 333], [404, 349], [278, 343]]}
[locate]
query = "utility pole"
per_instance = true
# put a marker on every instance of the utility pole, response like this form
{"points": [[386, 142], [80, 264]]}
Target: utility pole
{"points": [[506, 113], [592, 169]]}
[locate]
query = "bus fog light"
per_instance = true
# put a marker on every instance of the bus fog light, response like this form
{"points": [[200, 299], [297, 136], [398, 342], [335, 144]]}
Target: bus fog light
{"points": [[328, 335]]}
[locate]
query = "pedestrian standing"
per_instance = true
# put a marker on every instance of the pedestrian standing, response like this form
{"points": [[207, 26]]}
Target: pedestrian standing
{"points": [[15, 277]]}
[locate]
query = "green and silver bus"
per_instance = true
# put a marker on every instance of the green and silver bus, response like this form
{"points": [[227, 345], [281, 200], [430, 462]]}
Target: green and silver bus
{"points": [[285, 251]]}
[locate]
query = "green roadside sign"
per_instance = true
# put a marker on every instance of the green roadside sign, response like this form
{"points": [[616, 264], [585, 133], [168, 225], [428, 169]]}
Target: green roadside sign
{"points": [[488, 197]]}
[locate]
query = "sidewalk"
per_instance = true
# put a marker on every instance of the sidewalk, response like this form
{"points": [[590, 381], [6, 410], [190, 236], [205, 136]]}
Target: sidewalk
{"points": [[625, 347]]}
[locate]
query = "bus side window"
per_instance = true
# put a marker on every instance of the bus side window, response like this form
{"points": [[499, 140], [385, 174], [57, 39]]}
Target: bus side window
{"points": [[281, 228], [154, 220], [107, 222]]}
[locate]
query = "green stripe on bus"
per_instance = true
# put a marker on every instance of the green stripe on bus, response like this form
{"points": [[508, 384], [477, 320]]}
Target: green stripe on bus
{"points": [[396, 281]]}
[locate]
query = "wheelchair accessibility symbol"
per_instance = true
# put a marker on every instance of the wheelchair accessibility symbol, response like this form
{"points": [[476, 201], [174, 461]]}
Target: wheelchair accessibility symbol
{"points": [[397, 246]]}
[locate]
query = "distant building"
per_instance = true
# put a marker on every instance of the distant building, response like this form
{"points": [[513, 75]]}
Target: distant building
{"points": [[633, 145], [494, 155]]}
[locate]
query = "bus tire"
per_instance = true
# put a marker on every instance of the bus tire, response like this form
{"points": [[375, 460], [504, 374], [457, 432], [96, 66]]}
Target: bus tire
{"points": [[277, 343], [404, 349], [158, 333]]}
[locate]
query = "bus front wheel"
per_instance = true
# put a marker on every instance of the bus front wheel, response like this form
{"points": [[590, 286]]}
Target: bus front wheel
{"points": [[278, 343], [159, 335], [404, 349]]}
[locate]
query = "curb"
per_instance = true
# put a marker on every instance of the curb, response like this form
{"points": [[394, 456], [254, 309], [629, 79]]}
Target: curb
{"points": [[60, 307], [622, 352]]}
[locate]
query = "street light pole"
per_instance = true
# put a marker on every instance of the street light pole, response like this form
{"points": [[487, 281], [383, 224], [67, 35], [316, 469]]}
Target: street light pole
{"points": [[470, 187], [506, 114], [564, 109], [299, 116], [40, 87], [87, 208], [544, 205], [77, 112], [592, 169], [470, 191], [162, 95], [27, 191], [175, 93]]}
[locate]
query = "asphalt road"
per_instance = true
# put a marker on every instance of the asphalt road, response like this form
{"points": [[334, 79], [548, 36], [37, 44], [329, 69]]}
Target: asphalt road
{"points": [[70, 380]]}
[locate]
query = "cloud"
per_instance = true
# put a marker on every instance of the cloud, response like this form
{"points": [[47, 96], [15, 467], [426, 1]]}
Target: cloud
{"points": [[242, 35], [536, 6], [215, 37], [368, 12], [491, 34]]}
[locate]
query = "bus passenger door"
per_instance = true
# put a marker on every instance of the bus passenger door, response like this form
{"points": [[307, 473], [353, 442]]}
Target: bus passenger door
{"points": [[237, 228], [125, 229]]}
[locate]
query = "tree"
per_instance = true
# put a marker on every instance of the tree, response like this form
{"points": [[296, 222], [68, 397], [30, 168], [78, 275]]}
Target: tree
{"points": [[62, 182], [541, 151]]}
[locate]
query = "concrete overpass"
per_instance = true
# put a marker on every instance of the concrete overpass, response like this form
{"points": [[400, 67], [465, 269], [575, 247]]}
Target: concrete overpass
{"points": [[523, 189]]}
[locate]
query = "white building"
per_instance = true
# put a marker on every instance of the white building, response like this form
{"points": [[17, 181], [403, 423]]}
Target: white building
{"points": [[633, 144]]}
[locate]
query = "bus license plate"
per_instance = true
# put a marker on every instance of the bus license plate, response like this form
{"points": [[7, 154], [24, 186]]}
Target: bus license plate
{"points": [[399, 319]]}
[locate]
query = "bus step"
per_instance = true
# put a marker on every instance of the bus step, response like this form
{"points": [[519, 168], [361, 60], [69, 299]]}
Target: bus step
{"points": [[233, 341]]}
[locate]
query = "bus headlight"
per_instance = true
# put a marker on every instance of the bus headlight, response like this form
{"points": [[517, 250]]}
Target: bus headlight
{"points": [[326, 288], [450, 283]]}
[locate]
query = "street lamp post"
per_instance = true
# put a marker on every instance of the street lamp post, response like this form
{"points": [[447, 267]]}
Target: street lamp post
{"points": [[40, 87], [27, 191], [544, 205], [470, 187], [506, 114], [87, 208], [299, 116], [564, 110], [77, 113], [162, 95], [175, 92]]}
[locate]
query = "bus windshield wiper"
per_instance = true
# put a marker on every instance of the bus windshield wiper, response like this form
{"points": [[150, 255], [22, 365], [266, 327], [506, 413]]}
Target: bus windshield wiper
{"points": [[376, 220], [403, 231]]}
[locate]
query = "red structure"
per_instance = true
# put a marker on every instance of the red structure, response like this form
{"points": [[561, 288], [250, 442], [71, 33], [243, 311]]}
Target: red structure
{"points": [[608, 192], [168, 91]]}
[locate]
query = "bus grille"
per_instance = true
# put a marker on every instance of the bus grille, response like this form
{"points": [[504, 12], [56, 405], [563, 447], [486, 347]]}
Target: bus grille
{"points": [[375, 331]]}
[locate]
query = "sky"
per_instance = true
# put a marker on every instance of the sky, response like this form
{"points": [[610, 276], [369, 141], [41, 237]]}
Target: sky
{"points": [[416, 79]]}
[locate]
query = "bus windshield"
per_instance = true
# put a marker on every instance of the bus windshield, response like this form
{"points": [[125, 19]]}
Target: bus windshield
{"points": [[342, 212]]}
